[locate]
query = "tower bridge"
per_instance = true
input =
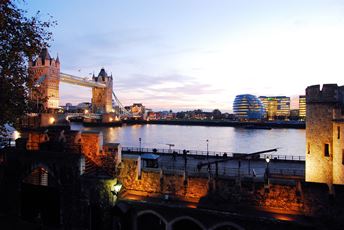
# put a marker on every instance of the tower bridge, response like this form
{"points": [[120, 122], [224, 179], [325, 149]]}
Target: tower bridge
{"points": [[45, 77]]}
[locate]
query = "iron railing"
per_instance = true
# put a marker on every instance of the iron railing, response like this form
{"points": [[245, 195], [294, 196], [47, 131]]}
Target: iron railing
{"points": [[223, 171], [201, 153]]}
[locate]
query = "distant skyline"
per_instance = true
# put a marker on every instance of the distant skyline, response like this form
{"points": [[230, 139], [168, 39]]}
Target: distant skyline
{"points": [[197, 54]]}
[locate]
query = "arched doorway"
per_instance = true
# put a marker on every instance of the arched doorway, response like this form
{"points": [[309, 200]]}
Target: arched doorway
{"points": [[150, 220], [186, 223]]}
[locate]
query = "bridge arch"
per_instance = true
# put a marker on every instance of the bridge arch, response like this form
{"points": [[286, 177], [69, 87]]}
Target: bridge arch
{"points": [[226, 226], [185, 222], [149, 219]]}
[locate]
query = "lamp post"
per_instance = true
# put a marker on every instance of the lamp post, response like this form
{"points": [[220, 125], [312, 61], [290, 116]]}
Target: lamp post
{"points": [[170, 147], [207, 148], [267, 159], [140, 144], [116, 189], [266, 175]]}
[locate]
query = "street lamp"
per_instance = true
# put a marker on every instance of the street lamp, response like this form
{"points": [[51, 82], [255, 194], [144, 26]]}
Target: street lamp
{"points": [[266, 175], [140, 143], [207, 148], [116, 189], [170, 147]]}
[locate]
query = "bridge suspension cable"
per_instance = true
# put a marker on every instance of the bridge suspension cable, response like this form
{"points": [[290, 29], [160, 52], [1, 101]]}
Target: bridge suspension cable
{"points": [[122, 109]]}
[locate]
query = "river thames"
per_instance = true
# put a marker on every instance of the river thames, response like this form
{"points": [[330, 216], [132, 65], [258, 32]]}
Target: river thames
{"points": [[222, 139]]}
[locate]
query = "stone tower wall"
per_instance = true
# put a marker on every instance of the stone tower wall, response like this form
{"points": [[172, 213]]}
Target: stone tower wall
{"points": [[338, 152], [321, 130], [48, 90], [318, 133], [102, 97]]}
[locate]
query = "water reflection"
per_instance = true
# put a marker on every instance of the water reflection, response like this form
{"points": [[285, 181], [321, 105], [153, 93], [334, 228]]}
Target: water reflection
{"points": [[225, 139]]}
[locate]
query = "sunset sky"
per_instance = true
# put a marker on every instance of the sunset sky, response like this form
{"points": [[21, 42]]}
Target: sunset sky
{"points": [[189, 54]]}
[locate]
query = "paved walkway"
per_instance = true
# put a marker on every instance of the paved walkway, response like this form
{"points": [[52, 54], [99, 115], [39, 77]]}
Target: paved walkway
{"points": [[232, 167]]}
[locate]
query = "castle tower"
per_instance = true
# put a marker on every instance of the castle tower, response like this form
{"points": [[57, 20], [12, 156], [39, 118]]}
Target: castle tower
{"points": [[324, 134], [102, 97], [44, 74]]}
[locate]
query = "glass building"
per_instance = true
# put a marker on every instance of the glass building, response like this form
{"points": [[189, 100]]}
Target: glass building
{"points": [[248, 107], [276, 106], [302, 107]]}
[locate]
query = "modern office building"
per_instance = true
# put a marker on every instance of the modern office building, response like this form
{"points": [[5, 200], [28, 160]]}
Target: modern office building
{"points": [[302, 107], [276, 106], [248, 107]]}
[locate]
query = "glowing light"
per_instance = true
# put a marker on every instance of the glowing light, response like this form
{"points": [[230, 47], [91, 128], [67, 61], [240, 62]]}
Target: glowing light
{"points": [[16, 135], [86, 111], [51, 120], [191, 205], [267, 160], [283, 217], [117, 187]]}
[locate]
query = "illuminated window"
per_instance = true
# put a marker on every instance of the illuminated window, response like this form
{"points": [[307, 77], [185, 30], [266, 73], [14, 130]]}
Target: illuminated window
{"points": [[338, 132], [327, 150]]}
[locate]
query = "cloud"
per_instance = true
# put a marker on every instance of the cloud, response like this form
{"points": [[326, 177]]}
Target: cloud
{"points": [[149, 81]]}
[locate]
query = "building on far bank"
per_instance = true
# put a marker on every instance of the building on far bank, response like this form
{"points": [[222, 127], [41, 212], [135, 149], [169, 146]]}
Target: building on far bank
{"points": [[276, 107], [248, 107], [302, 107], [294, 114], [138, 111]]}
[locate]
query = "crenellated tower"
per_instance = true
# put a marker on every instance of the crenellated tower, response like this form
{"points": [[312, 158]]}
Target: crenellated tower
{"points": [[44, 74], [324, 134], [102, 97]]}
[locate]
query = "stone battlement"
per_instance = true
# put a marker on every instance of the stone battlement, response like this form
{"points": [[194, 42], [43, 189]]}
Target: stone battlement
{"points": [[330, 93]]}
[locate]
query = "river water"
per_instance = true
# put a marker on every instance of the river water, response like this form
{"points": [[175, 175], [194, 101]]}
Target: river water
{"points": [[222, 139]]}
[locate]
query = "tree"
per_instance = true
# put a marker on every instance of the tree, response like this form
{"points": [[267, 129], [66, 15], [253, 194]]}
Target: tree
{"points": [[217, 114], [21, 39]]}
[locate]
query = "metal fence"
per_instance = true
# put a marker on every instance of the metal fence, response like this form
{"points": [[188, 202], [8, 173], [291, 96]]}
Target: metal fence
{"points": [[287, 172], [223, 171], [209, 153]]}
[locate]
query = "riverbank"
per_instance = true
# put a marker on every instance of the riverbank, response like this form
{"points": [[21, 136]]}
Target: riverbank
{"points": [[223, 123]]}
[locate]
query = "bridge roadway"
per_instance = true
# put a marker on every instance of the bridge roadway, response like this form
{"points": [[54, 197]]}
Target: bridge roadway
{"points": [[71, 79], [280, 167]]}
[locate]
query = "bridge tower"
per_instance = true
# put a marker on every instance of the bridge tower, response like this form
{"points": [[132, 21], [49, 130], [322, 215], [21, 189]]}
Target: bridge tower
{"points": [[44, 73], [102, 97]]}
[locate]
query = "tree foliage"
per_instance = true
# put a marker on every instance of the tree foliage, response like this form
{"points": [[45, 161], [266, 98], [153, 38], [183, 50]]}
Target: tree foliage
{"points": [[21, 38]]}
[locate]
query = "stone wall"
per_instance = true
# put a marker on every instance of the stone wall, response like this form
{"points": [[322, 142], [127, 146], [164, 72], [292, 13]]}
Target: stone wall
{"points": [[228, 194], [338, 153], [324, 125], [319, 131], [155, 183]]}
